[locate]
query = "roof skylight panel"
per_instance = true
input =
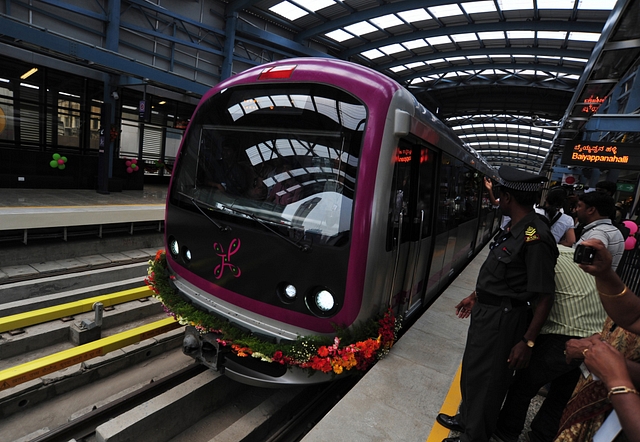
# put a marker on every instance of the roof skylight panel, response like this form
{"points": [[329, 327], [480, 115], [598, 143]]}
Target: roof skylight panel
{"points": [[492, 35], [556, 4], [478, 7], [521, 34], [361, 28], [372, 54], [387, 21], [445, 10], [606, 5], [393, 49], [315, 5], [439, 40], [417, 64], [513, 5], [415, 15], [552, 35], [415, 44], [339, 35], [584, 36], [397, 69], [288, 10], [459, 38], [577, 60]]}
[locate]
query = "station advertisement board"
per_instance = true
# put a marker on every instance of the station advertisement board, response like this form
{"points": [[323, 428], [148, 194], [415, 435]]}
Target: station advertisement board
{"points": [[602, 155]]}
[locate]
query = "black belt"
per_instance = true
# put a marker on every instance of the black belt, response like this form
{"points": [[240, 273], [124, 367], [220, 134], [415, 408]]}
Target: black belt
{"points": [[489, 299]]}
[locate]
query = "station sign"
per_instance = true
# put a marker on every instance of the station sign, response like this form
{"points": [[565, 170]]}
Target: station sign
{"points": [[602, 155]]}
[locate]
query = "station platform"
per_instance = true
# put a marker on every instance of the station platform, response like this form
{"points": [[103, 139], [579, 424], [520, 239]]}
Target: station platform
{"points": [[51, 218], [400, 397]]}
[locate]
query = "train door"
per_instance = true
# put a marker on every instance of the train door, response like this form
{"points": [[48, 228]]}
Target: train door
{"points": [[411, 209]]}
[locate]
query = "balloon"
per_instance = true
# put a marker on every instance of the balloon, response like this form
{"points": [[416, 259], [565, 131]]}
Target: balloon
{"points": [[128, 163], [60, 161], [129, 170], [53, 163], [56, 156], [134, 161], [64, 159], [630, 243], [632, 226], [134, 166], [61, 166]]}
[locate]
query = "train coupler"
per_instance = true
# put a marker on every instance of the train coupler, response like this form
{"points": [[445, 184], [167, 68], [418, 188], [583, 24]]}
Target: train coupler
{"points": [[204, 348]]}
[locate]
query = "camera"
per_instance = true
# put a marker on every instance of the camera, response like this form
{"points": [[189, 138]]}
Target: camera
{"points": [[584, 254]]}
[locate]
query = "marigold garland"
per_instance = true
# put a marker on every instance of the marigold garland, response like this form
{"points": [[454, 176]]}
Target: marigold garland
{"points": [[349, 350]]}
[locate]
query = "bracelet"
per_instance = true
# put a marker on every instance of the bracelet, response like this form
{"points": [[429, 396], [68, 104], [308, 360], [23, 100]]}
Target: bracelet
{"points": [[621, 390], [615, 296]]}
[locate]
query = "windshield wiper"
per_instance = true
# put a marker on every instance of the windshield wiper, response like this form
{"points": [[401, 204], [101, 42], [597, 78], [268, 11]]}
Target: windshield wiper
{"points": [[197, 203], [264, 223]]}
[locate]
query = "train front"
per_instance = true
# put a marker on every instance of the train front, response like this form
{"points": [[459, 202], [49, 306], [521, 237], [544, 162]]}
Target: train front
{"points": [[258, 226]]}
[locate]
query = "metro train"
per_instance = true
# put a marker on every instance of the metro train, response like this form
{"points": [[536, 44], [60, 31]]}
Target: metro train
{"points": [[309, 198]]}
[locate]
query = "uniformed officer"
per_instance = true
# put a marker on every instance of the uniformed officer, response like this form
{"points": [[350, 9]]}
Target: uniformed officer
{"points": [[517, 274]]}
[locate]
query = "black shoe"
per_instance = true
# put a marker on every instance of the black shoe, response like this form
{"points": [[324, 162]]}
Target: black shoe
{"points": [[451, 439], [450, 422]]}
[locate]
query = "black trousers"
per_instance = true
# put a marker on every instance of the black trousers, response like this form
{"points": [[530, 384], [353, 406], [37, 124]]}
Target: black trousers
{"points": [[547, 365], [485, 377]]}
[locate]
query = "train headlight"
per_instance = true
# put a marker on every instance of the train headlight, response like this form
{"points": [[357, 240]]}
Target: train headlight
{"points": [[324, 300], [287, 292], [174, 247], [186, 253], [290, 291], [321, 302]]}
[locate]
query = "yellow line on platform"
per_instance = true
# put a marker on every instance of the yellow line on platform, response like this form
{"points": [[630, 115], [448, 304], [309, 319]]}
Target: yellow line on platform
{"points": [[72, 308], [450, 407], [49, 364]]}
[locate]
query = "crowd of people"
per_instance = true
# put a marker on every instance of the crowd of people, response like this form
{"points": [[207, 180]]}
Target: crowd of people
{"points": [[542, 320]]}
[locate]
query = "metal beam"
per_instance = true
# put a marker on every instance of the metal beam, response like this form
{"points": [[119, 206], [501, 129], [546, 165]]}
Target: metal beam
{"points": [[83, 54], [613, 123]]}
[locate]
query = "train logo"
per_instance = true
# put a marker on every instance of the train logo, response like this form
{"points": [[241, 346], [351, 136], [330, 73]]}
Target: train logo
{"points": [[234, 247]]}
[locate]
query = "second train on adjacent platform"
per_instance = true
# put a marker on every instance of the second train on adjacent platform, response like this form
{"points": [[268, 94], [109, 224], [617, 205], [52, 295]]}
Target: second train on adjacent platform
{"points": [[310, 193]]}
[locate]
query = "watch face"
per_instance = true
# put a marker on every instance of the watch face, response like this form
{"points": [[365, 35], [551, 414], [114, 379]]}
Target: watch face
{"points": [[530, 343]]}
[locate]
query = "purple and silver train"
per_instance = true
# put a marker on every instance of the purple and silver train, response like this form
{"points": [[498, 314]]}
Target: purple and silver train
{"points": [[313, 192]]}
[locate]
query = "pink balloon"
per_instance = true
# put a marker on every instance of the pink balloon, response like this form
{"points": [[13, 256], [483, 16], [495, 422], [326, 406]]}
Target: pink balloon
{"points": [[61, 161], [632, 226], [134, 161], [630, 243], [129, 170], [128, 163]]}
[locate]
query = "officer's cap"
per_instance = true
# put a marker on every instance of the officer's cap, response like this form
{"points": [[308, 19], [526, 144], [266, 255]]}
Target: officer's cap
{"points": [[515, 179]]}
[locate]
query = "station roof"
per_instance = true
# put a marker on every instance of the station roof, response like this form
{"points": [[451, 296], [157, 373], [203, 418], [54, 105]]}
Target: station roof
{"points": [[504, 74]]}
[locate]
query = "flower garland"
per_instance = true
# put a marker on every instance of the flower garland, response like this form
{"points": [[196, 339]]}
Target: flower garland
{"points": [[349, 350]]}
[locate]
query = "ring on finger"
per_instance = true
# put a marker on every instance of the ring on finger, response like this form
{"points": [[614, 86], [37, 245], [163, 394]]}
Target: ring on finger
{"points": [[584, 352]]}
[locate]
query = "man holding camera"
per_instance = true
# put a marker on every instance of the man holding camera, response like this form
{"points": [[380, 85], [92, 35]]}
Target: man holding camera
{"points": [[594, 212]]}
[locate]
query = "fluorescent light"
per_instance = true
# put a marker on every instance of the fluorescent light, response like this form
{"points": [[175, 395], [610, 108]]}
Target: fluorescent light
{"points": [[29, 73]]}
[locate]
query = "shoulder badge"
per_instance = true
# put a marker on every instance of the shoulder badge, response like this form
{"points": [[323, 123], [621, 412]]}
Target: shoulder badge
{"points": [[531, 234]]}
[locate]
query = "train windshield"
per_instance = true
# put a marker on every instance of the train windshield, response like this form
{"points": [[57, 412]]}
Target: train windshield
{"points": [[283, 155]]}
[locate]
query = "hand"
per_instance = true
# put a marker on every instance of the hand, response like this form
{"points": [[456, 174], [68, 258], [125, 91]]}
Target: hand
{"points": [[574, 348], [601, 259], [463, 309], [519, 356], [488, 184], [608, 364]]}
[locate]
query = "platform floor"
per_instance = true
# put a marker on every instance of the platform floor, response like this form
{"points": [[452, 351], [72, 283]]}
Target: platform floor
{"points": [[400, 397], [15, 198]]}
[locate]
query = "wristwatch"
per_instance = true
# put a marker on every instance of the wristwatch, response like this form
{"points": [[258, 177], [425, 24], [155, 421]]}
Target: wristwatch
{"points": [[529, 343]]}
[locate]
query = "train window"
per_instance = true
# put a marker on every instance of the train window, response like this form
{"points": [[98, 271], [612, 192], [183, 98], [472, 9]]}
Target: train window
{"points": [[460, 188], [286, 155]]}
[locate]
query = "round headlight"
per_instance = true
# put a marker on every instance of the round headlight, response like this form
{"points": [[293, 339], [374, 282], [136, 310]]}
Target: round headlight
{"points": [[187, 254], [174, 247], [324, 300], [290, 291]]}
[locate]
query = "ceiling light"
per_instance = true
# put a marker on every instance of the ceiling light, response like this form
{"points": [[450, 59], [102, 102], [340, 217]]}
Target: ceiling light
{"points": [[29, 73]]}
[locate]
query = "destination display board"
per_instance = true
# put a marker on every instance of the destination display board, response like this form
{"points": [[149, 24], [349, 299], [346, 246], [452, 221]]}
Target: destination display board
{"points": [[602, 155]]}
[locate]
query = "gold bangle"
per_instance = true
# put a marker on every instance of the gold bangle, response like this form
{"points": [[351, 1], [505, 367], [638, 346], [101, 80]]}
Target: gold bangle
{"points": [[615, 296], [621, 390]]}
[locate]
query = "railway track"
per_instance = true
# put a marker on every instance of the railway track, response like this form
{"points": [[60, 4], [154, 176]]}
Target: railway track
{"points": [[133, 383]]}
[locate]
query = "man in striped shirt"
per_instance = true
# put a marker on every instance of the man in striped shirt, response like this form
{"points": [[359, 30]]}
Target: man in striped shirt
{"points": [[576, 311], [594, 212]]}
